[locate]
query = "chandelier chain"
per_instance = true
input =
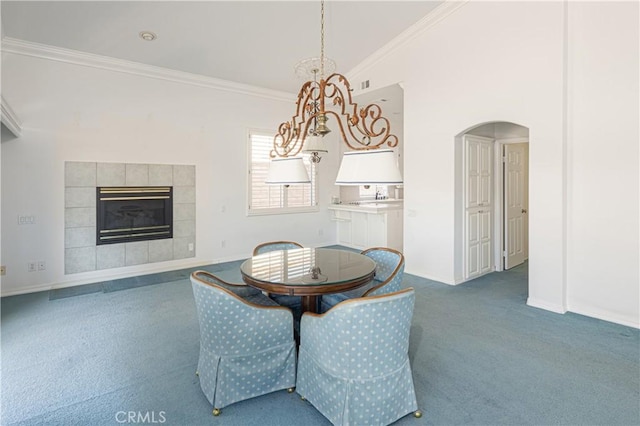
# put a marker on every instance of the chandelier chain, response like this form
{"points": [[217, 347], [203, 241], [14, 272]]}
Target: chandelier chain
{"points": [[322, 39]]}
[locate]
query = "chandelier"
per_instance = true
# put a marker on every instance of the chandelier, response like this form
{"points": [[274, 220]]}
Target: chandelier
{"points": [[323, 101]]}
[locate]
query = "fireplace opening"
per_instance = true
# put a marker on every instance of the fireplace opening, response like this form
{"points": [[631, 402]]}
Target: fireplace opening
{"points": [[126, 214]]}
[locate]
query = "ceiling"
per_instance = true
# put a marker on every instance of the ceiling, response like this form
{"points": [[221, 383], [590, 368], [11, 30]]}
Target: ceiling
{"points": [[251, 42]]}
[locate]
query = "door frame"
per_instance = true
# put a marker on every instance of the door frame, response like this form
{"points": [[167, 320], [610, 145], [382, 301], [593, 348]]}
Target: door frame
{"points": [[498, 255]]}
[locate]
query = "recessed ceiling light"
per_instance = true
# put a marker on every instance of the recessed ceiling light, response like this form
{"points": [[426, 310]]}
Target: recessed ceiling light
{"points": [[147, 36]]}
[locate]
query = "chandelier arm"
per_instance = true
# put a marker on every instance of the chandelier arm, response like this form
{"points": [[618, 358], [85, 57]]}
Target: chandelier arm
{"points": [[347, 136], [295, 144], [372, 118], [359, 142], [366, 129], [291, 134]]}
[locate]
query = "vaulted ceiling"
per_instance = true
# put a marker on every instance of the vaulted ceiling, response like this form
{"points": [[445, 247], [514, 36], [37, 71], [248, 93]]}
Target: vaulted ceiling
{"points": [[251, 42]]}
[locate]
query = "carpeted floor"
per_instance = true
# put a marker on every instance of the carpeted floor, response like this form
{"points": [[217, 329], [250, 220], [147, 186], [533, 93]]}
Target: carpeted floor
{"points": [[479, 356]]}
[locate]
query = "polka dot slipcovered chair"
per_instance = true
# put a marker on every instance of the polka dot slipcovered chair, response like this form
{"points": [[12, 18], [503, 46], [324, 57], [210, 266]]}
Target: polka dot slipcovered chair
{"points": [[292, 302], [389, 273], [247, 347], [353, 360], [244, 291]]}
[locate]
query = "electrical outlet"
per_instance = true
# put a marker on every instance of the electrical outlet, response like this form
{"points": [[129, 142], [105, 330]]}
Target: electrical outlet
{"points": [[32, 266], [42, 265], [3, 270], [223, 243], [190, 246]]}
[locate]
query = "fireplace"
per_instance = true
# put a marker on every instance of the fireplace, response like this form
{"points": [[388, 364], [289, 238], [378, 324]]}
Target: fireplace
{"points": [[127, 214]]}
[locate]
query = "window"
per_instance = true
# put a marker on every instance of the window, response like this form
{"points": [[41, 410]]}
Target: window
{"points": [[273, 199], [382, 191]]}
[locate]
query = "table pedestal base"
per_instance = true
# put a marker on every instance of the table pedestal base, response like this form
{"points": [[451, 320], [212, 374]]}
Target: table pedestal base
{"points": [[310, 304]]}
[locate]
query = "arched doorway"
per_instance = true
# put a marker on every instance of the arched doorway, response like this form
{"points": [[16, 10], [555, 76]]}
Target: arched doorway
{"points": [[491, 198]]}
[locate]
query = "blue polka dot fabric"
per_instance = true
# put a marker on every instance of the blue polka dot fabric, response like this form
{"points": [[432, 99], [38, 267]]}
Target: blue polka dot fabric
{"points": [[246, 349], [276, 245], [241, 290], [388, 278], [353, 360]]}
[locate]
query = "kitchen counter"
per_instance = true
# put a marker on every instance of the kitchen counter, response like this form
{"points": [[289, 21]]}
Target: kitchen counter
{"points": [[369, 207]]}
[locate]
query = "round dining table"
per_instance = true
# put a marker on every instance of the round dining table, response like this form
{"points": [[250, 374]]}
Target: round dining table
{"points": [[308, 273]]}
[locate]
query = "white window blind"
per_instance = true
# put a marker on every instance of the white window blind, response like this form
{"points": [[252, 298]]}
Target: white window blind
{"points": [[270, 199]]}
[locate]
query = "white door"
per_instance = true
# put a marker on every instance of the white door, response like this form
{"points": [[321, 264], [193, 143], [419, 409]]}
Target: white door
{"points": [[478, 242], [515, 204], [478, 205]]}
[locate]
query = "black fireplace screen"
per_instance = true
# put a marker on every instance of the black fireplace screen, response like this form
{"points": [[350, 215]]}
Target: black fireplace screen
{"points": [[127, 214]]}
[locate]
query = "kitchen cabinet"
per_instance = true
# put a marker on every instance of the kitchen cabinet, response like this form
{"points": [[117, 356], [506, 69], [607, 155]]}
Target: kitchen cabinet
{"points": [[365, 226]]}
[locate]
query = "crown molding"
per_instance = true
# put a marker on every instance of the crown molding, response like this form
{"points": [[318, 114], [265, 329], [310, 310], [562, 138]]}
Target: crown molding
{"points": [[432, 18], [10, 119], [53, 53]]}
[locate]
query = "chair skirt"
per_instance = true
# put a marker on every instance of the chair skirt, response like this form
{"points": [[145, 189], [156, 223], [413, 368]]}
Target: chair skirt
{"points": [[372, 401], [228, 379]]}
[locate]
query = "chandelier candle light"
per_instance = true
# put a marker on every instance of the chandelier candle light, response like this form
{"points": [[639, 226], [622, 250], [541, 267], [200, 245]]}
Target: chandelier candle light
{"points": [[363, 130]]}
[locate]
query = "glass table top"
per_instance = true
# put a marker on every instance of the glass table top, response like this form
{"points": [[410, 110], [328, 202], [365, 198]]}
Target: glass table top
{"points": [[308, 266]]}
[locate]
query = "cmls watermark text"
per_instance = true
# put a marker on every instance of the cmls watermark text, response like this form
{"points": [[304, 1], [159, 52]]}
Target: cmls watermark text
{"points": [[141, 417]]}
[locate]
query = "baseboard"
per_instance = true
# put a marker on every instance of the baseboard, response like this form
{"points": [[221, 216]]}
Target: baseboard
{"points": [[33, 289], [104, 276], [430, 277], [605, 316], [233, 258], [540, 304]]}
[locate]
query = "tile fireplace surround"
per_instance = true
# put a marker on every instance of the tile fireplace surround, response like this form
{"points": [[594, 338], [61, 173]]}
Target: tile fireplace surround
{"points": [[81, 253]]}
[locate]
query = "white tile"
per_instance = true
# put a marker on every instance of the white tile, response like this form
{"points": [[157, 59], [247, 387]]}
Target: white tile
{"points": [[181, 247], [78, 260], [111, 174], [79, 216], [80, 237], [136, 253], [184, 175], [137, 174], [184, 194], [79, 174], [160, 175], [184, 228], [161, 250], [110, 256], [75, 196], [184, 212]]}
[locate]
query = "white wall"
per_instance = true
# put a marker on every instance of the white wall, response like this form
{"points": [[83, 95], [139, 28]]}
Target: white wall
{"points": [[602, 263], [78, 113], [506, 61]]}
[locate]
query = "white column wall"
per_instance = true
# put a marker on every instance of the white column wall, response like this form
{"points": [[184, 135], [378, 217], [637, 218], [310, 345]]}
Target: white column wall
{"points": [[507, 61], [603, 256], [79, 113]]}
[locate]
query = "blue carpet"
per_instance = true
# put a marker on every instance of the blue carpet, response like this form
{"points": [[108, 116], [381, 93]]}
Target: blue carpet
{"points": [[479, 356]]}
